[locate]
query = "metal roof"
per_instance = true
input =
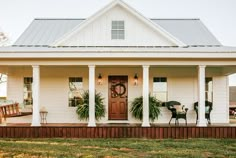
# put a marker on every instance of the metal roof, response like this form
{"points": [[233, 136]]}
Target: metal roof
{"points": [[43, 32], [190, 31]]}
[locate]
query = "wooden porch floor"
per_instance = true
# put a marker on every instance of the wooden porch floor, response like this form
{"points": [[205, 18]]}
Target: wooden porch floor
{"points": [[231, 124], [156, 131]]}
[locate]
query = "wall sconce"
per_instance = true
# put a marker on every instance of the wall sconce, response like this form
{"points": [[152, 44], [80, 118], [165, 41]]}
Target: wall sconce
{"points": [[136, 79], [99, 79]]}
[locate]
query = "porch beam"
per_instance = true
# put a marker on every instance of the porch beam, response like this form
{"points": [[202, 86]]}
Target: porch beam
{"points": [[145, 96], [91, 122], [36, 96], [201, 96]]}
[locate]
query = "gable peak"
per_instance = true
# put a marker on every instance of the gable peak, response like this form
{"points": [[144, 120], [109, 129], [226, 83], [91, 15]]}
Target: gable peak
{"points": [[155, 27]]}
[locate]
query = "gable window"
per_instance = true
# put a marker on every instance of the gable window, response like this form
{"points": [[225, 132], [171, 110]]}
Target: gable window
{"points": [[118, 30], [160, 88], [28, 99], [209, 89], [75, 88]]}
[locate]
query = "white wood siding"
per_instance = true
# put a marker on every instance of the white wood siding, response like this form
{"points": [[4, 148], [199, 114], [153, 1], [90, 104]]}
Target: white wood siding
{"points": [[182, 87], [220, 112], [15, 82], [98, 33], [55, 91]]}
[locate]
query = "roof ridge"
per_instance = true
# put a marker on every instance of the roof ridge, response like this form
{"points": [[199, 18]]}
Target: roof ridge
{"points": [[60, 19], [174, 18], [85, 18]]}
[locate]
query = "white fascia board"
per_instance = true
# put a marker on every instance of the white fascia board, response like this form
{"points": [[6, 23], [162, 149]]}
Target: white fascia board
{"points": [[112, 55]]}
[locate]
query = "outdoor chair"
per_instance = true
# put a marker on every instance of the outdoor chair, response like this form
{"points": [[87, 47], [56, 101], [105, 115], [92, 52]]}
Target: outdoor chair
{"points": [[208, 109], [178, 111]]}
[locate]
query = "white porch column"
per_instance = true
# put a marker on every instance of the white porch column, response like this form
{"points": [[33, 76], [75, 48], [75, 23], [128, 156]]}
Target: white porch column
{"points": [[91, 122], [36, 96], [201, 96], [145, 96]]}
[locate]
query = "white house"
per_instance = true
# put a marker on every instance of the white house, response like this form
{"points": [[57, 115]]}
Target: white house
{"points": [[172, 59]]}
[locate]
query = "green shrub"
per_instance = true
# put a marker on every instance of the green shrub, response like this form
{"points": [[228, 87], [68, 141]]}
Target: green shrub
{"points": [[83, 106], [137, 108]]}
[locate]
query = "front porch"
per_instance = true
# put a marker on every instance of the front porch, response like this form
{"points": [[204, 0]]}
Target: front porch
{"points": [[52, 83]]}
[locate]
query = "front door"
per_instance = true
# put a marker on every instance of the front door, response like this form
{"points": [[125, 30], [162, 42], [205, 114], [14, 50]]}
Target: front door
{"points": [[118, 97]]}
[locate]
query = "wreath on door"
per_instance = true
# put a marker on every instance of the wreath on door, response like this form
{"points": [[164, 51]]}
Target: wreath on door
{"points": [[115, 93]]}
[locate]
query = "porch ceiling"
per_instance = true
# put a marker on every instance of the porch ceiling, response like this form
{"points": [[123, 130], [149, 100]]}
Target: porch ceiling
{"points": [[228, 70]]}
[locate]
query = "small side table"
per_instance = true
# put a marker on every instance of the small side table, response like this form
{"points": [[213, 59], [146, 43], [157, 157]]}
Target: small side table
{"points": [[43, 115]]}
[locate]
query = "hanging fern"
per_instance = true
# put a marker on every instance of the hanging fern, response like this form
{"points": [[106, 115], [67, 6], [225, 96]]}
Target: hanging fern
{"points": [[83, 106], [137, 108]]}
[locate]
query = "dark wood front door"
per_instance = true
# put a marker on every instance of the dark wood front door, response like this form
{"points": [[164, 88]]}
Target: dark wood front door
{"points": [[118, 97]]}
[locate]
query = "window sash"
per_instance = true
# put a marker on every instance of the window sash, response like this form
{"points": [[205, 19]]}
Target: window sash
{"points": [[209, 89], [27, 92], [118, 25], [118, 30], [160, 90], [75, 88]]}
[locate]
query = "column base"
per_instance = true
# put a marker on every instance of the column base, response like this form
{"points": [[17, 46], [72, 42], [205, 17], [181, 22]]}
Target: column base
{"points": [[91, 124], [145, 124], [201, 124], [35, 124]]}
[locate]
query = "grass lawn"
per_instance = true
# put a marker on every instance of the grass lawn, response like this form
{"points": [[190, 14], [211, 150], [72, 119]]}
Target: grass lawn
{"points": [[107, 148]]}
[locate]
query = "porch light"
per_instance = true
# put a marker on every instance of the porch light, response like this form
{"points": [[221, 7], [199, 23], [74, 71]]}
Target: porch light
{"points": [[136, 79], [99, 79]]}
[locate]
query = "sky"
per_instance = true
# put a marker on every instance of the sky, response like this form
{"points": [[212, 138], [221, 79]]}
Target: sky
{"points": [[218, 15]]}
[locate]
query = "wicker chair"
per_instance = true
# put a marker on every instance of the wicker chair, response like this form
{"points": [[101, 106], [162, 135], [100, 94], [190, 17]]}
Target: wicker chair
{"points": [[177, 110], [208, 109]]}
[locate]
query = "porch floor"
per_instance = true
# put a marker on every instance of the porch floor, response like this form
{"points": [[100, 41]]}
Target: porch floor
{"points": [[231, 124]]}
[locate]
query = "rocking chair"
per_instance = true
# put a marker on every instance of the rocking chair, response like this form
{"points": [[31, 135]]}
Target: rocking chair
{"points": [[177, 110]]}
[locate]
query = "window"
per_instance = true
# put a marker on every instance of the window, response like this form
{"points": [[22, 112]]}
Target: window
{"points": [[28, 99], [118, 30], [75, 88], [209, 89], [160, 88]]}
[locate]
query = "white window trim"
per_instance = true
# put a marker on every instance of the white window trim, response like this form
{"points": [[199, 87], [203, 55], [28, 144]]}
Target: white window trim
{"points": [[117, 29]]}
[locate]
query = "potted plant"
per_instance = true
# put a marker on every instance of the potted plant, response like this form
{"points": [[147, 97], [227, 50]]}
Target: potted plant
{"points": [[83, 106], [137, 108]]}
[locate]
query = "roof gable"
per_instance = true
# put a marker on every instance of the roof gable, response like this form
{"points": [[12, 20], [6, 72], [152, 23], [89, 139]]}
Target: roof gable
{"points": [[43, 32], [118, 3]]}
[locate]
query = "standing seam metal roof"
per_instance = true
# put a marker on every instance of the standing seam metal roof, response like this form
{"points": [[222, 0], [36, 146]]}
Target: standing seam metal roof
{"points": [[191, 31], [43, 32]]}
